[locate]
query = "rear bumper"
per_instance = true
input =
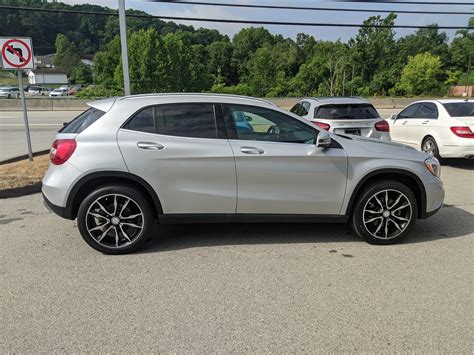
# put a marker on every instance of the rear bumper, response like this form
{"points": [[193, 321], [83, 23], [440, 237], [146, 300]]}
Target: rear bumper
{"points": [[64, 212], [456, 151]]}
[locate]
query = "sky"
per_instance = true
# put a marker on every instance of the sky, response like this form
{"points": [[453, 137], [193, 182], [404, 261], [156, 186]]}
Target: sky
{"points": [[320, 33]]}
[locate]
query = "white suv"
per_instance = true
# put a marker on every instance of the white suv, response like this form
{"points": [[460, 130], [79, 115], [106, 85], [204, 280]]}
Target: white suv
{"points": [[183, 158], [441, 128], [344, 115]]}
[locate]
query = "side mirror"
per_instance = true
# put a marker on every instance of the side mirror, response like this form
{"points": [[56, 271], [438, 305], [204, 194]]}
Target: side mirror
{"points": [[394, 117], [323, 140], [65, 123]]}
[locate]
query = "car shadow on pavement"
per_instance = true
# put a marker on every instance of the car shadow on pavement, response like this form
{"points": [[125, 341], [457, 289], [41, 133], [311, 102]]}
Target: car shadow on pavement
{"points": [[175, 237], [466, 164]]}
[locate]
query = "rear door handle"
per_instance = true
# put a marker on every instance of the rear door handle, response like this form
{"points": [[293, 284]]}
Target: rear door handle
{"points": [[252, 150], [150, 145], [425, 122], [405, 122]]}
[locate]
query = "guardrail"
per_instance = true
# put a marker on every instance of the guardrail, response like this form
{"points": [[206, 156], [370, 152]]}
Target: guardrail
{"points": [[66, 104]]}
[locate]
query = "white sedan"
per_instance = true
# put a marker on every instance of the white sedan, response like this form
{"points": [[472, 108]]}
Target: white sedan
{"points": [[441, 128]]}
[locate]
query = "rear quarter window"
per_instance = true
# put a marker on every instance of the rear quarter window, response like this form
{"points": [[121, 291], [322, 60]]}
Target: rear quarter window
{"points": [[84, 120], [346, 112]]}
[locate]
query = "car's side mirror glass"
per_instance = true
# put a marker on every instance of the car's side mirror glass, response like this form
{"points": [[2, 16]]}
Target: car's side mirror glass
{"points": [[323, 140]]}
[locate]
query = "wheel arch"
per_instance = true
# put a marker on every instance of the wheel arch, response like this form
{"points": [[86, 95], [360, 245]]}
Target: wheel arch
{"points": [[94, 180], [403, 176]]}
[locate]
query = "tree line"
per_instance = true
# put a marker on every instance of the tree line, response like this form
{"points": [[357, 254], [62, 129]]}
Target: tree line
{"points": [[166, 57]]}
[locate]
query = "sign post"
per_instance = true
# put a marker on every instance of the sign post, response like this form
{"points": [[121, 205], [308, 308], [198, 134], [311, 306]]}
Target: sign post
{"points": [[17, 54]]}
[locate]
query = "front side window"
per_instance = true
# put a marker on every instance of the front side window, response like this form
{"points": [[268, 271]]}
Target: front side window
{"points": [[460, 109], [84, 120], [305, 108], [261, 124], [427, 110], [296, 109], [409, 112], [183, 120], [346, 111]]}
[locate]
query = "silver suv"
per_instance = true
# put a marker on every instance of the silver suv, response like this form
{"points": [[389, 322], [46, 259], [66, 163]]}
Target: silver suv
{"points": [[194, 158], [345, 115]]}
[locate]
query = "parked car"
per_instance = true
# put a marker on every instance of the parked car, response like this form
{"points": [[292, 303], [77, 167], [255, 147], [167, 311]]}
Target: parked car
{"points": [[183, 158], [74, 90], [9, 92], [58, 92], [344, 115], [38, 90], [441, 128]]}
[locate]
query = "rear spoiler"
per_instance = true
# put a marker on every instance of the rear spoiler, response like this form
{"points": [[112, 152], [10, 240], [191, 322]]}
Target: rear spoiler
{"points": [[103, 105]]}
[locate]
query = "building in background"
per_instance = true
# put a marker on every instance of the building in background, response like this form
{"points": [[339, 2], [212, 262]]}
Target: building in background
{"points": [[47, 76], [461, 90], [44, 61]]}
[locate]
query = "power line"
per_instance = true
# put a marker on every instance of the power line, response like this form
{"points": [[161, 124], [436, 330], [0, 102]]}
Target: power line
{"points": [[310, 8], [254, 22], [412, 2]]}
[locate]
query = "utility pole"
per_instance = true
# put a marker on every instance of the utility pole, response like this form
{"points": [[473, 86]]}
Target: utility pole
{"points": [[123, 42]]}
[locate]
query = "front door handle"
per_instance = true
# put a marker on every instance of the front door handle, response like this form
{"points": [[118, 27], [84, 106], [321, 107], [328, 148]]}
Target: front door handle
{"points": [[252, 150], [150, 145], [425, 122], [404, 123]]}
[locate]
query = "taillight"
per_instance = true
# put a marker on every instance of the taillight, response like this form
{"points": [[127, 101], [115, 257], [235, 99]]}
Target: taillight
{"points": [[62, 150], [382, 126], [463, 132], [322, 125]]}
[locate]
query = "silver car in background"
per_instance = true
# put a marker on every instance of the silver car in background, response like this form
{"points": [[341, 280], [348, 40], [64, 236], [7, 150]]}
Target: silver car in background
{"points": [[199, 158], [344, 115]]}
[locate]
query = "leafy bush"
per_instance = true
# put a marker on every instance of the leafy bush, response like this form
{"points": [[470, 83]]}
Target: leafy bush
{"points": [[98, 91]]}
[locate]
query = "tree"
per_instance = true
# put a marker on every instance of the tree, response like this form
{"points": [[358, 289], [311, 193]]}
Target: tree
{"points": [[81, 74], [66, 57], [462, 50], [421, 75]]}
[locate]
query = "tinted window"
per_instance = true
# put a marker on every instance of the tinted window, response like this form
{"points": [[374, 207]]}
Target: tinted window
{"points": [[460, 109], [304, 108], [427, 110], [409, 112], [260, 124], [82, 121], [295, 109], [346, 111], [184, 120]]}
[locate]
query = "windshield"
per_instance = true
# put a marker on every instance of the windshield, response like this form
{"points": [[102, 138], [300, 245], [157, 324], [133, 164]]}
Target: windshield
{"points": [[346, 111], [460, 109]]}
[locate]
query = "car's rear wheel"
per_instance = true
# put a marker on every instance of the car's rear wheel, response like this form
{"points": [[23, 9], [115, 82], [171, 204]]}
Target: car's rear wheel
{"points": [[384, 212], [115, 219], [430, 147]]}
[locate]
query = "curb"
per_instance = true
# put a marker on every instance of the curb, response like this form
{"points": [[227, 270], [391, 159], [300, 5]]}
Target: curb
{"points": [[22, 157], [20, 191]]}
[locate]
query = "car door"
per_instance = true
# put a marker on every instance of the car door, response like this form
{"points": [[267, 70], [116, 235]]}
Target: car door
{"points": [[182, 151], [417, 127], [279, 168], [398, 126]]}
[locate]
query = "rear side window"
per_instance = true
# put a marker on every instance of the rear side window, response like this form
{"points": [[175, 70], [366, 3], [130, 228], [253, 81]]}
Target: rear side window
{"points": [[427, 110], [84, 120], [184, 120], [346, 111], [460, 109]]}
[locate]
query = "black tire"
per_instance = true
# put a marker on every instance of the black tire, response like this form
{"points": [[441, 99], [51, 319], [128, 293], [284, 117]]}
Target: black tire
{"points": [[393, 222], [9, 96], [431, 142], [105, 195]]}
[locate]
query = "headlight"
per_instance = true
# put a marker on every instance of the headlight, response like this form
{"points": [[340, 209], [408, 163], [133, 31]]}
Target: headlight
{"points": [[432, 164]]}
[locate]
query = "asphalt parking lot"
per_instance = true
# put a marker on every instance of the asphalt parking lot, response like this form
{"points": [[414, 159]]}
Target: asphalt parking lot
{"points": [[240, 288]]}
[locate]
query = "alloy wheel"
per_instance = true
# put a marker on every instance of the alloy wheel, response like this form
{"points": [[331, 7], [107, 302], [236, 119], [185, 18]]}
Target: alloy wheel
{"points": [[114, 221], [429, 147], [387, 214]]}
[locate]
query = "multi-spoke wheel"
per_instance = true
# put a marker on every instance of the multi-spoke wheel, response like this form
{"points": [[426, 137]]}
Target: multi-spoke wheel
{"points": [[430, 147], [385, 212], [115, 220]]}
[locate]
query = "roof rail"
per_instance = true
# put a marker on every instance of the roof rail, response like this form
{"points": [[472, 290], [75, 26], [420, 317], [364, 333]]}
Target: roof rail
{"points": [[197, 94], [318, 98]]}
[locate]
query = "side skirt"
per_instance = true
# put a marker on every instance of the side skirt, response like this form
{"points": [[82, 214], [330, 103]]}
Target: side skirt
{"points": [[250, 218]]}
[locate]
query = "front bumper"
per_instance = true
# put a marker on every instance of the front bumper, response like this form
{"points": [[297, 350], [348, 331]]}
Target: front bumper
{"points": [[434, 195]]}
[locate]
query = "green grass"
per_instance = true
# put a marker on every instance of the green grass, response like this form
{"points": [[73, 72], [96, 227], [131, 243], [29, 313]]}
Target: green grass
{"points": [[9, 78]]}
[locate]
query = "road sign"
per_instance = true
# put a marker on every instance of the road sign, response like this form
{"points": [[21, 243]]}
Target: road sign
{"points": [[16, 53]]}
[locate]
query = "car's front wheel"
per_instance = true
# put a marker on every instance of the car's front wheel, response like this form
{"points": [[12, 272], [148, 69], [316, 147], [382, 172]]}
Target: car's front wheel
{"points": [[384, 212], [115, 219]]}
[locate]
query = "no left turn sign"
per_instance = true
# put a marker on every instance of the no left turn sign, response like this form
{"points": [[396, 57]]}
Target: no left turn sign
{"points": [[16, 53]]}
